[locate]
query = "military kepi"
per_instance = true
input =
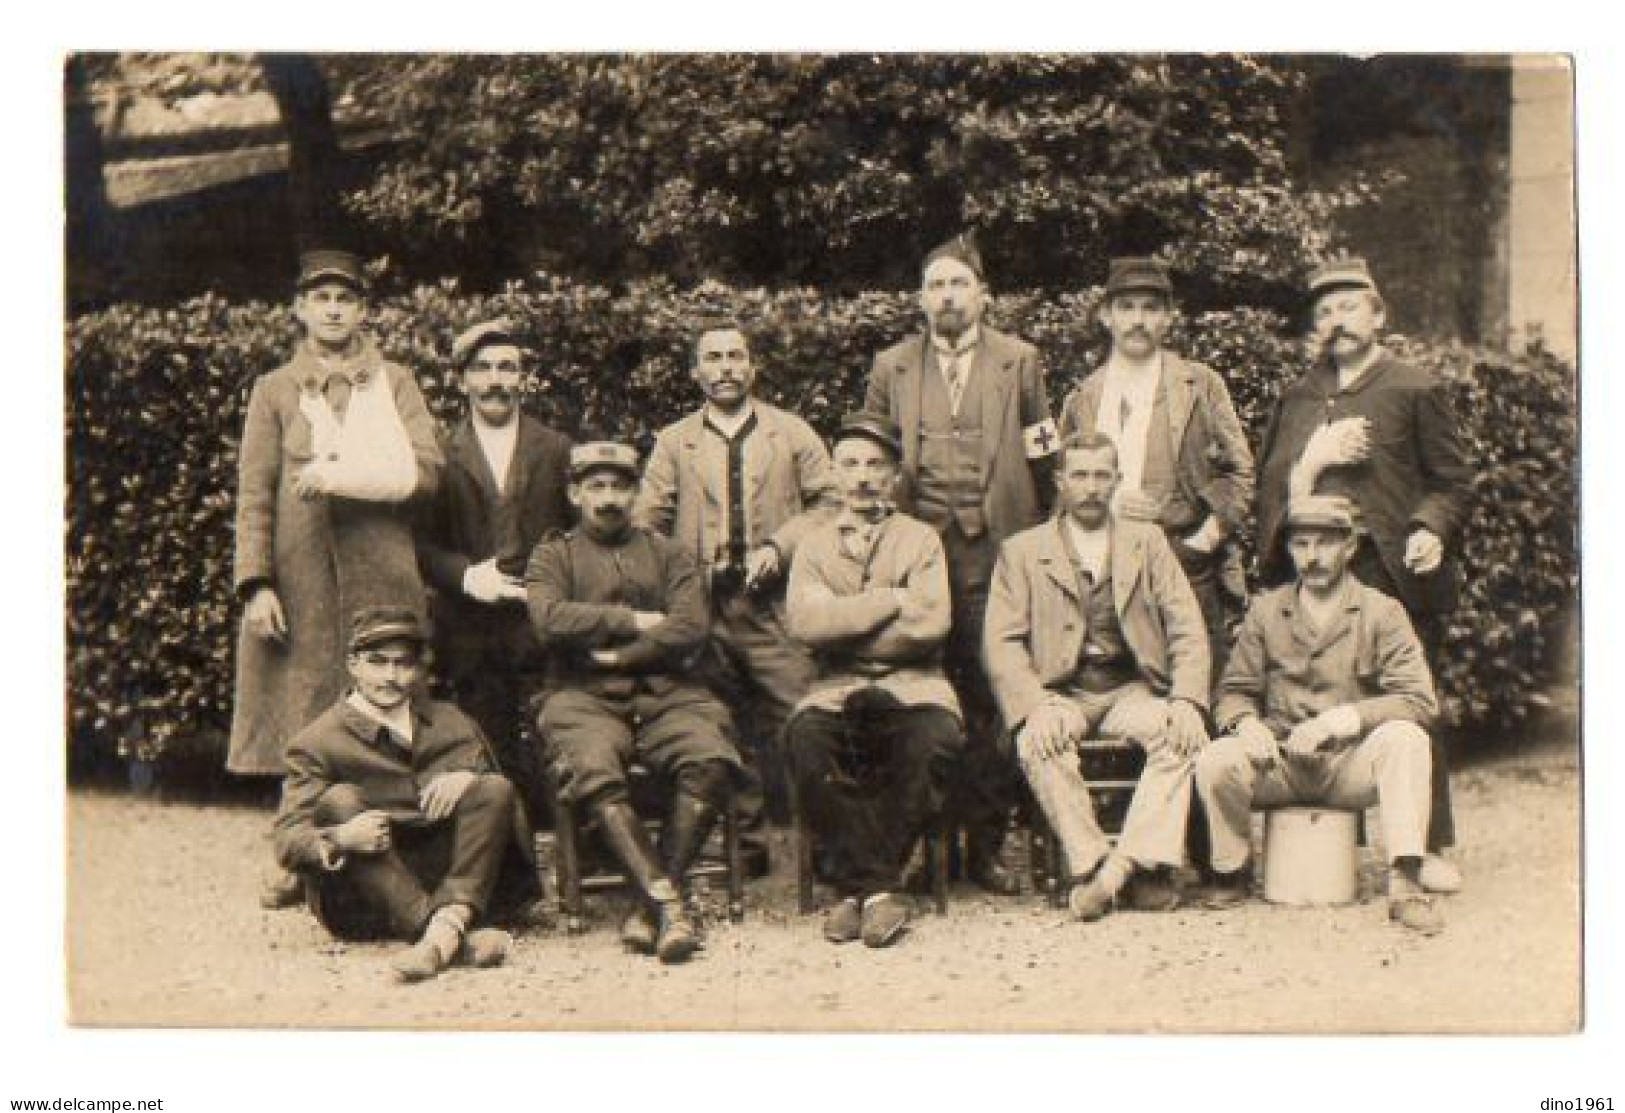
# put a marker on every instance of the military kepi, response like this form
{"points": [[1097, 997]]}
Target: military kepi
{"points": [[1138, 275], [961, 249], [593, 455], [327, 265], [482, 335], [373, 626], [1347, 273], [1320, 512], [878, 428]]}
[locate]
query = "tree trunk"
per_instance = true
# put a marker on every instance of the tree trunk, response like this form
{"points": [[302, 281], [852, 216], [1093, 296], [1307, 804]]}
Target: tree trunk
{"points": [[302, 97]]}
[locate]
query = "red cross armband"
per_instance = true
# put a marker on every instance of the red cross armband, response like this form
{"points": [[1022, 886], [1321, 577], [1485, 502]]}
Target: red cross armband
{"points": [[1041, 440]]}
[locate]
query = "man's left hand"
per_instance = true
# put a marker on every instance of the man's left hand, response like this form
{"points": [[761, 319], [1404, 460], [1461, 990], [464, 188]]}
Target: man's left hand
{"points": [[440, 795], [1187, 733], [311, 482], [762, 566], [1423, 551]]}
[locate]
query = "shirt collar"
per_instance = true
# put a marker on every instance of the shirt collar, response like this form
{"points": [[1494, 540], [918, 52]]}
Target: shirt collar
{"points": [[1356, 375], [967, 342], [367, 722], [728, 427]]}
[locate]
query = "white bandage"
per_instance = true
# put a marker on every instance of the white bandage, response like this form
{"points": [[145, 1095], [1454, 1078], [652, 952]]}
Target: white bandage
{"points": [[1040, 440]]}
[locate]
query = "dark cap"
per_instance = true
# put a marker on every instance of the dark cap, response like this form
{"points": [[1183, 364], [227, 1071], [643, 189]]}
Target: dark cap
{"points": [[1347, 273], [1320, 512], [376, 625], [331, 266], [875, 427], [468, 344], [962, 249], [589, 457], [1137, 275]]}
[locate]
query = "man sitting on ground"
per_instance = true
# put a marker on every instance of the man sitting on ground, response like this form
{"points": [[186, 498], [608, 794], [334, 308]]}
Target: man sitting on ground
{"points": [[395, 816]]}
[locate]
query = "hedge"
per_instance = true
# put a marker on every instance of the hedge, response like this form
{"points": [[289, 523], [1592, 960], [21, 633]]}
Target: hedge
{"points": [[155, 409]]}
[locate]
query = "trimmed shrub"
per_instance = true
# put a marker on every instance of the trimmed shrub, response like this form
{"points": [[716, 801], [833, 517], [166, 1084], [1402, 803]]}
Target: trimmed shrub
{"points": [[155, 400]]}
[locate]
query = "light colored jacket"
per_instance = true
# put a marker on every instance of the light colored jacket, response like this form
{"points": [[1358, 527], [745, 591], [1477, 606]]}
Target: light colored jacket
{"points": [[1212, 463], [1034, 630], [786, 471]]}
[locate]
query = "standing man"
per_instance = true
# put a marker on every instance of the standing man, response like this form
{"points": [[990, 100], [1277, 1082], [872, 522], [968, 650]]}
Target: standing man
{"points": [[1184, 458], [1092, 633], [335, 444], [872, 746], [1324, 701], [1362, 424], [978, 444], [731, 483], [623, 614], [395, 816], [503, 491]]}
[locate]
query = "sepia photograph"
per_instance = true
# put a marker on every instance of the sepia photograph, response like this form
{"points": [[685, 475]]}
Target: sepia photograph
{"points": [[1066, 543]]}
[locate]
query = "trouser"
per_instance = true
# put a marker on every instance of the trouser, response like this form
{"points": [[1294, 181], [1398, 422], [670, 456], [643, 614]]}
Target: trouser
{"points": [[1204, 572], [1154, 830], [469, 858], [869, 786], [983, 789], [1368, 567], [1389, 767], [761, 671], [497, 697], [590, 739]]}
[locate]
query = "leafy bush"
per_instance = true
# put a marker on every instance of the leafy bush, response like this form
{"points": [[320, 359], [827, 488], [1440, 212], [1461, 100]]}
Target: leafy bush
{"points": [[155, 410]]}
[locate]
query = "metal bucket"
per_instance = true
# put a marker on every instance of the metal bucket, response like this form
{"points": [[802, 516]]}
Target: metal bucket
{"points": [[1311, 856]]}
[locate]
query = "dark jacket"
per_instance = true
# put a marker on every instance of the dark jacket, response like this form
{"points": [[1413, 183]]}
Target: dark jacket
{"points": [[1416, 474], [468, 521], [344, 746]]}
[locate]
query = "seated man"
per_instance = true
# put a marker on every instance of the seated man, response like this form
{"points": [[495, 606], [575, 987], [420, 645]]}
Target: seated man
{"points": [[394, 814], [623, 614], [870, 746], [1323, 701], [1093, 632]]}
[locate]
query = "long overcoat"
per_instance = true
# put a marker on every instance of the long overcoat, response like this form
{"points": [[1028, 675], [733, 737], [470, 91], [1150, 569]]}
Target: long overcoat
{"points": [[325, 557]]}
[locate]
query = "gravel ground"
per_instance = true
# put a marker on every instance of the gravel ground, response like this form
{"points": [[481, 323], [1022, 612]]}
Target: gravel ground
{"points": [[163, 930]]}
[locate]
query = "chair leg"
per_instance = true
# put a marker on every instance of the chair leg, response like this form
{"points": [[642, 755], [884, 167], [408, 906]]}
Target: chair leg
{"points": [[736, 861], [804, 864], [936, 846]]}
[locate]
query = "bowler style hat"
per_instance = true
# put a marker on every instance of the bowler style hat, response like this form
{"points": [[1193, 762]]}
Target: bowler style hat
{"points": [[373, 626], [486, 333], [589, 457], [1138, 275], [1320, 512], [327, 265], [961, 249], [875, 427], [1347, 273]]}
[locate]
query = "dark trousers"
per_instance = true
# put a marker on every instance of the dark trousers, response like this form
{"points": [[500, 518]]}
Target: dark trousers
{"points": [[497, 696], [469, 858], [985, 786], [1367, 566], [869, 785]]}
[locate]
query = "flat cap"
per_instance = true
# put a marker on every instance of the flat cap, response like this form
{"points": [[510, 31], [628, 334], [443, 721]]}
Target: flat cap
{"points": [[372, 626], [1347, 273], [961, 249], [1320, 512], [875, 427], [1135, 275], [593, 455], [327, 265], [472, 339]]}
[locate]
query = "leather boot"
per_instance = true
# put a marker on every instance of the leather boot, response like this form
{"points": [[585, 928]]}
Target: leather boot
{"points": [[688, 826], [623, 831]]}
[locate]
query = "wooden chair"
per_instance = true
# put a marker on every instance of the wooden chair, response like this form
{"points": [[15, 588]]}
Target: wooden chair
{"points": [[570, 830]]}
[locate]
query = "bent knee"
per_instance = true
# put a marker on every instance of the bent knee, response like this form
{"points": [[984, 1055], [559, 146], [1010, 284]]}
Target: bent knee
{"points": [[1401, 733], [339, 803], [1221, 758]]}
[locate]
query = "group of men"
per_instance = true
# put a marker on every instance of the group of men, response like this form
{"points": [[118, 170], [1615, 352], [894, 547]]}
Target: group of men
{"points": [[902, 630]]}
